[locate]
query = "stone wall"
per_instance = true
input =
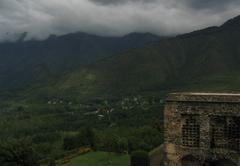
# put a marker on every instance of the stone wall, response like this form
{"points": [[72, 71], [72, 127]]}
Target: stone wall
{"points": [[192, 130]]}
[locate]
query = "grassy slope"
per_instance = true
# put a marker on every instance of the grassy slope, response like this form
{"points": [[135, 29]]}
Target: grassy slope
{"points": [[100, 159]]}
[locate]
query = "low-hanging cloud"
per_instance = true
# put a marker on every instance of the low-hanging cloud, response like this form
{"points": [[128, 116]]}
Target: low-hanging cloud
{"points": [[110, 17]]}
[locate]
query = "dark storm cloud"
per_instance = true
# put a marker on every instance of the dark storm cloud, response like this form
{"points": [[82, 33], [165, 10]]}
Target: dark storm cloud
{"points": [[119, 2], [111, 17], [196, 4], [213, 4]]}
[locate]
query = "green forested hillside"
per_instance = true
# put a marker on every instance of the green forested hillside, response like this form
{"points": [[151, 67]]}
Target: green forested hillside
{"points": [[205, 60]]}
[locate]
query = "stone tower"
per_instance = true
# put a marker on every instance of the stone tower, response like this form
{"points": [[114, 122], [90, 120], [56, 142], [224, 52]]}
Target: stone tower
{"points": [[202, 129]]}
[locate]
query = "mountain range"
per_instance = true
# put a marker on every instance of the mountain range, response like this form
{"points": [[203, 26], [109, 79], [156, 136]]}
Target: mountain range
{"points": [[26, 62], [203, 60]]}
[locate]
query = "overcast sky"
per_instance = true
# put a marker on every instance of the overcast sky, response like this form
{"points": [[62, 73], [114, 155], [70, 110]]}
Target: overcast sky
{"points": [[112, 17]]}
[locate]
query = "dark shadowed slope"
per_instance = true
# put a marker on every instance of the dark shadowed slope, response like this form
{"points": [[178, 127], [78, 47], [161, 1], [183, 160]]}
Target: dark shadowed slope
{"points": [[23, 63]]}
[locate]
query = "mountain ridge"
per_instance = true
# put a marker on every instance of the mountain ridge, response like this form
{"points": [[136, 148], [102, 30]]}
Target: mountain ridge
{"points": [[25, 62], [204, 60]]}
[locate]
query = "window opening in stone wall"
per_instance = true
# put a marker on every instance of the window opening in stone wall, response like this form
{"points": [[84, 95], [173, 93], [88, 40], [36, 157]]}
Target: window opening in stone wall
{"points": [[190, 131], [225, 132], [218, 132], [233, 133]]}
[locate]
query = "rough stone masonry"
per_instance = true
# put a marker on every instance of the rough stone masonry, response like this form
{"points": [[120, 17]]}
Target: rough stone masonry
{"points": [[202, 129]]}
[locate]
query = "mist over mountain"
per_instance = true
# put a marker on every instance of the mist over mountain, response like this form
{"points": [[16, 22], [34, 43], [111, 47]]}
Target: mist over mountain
{"points": [[111, 17]]}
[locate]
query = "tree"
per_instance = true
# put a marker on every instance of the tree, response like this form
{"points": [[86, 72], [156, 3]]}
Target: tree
{"points": [[70, 142], [109, 143], [85, 138], [52, 163], [121, 145], [17, 153]]}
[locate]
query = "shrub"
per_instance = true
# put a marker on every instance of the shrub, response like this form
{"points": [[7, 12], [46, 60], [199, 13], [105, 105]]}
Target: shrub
{"points": [[85, 138], [17, 153]]}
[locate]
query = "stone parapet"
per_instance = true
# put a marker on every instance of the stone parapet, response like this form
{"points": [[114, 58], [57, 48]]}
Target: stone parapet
{"points": [[202, 129], [204, 97]]}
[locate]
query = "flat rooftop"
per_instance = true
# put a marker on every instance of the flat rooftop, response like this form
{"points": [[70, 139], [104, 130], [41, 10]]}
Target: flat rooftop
{"points": [[204, 97]]}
